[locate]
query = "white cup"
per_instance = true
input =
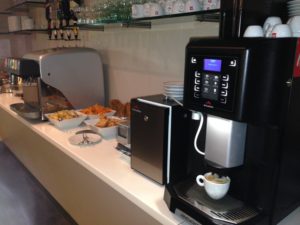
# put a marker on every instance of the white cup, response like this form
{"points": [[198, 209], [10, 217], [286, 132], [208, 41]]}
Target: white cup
{"points": [[178, 7], [254, 31], [137, 10], [146, 9], [168, 7], [156, 10], [192, 6], [294, 23], [216, 190], [281, 31], [211, 4], [269, 23]]}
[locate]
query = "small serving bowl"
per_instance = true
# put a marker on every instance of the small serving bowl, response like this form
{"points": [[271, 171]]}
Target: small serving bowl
{"points": [[67, 123]]}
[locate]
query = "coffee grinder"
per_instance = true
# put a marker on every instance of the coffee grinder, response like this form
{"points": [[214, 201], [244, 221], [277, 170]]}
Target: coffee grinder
{"points": [[243, 94]]}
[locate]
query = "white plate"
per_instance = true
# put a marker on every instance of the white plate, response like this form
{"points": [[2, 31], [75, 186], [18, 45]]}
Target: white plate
{"points": [[175, 96], [293, 2], [292, 10], [173, 84], [294, 14], [106, 132], [293, 6], [90, 139], [174, 88], [67, 123]]}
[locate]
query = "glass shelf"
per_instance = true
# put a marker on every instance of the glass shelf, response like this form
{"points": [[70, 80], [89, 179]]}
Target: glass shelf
{"points": [[147, 22], [24, 6], [205, 15]]}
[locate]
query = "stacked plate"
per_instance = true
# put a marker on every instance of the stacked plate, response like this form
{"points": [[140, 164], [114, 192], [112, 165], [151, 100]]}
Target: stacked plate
{"points": [[293, 8], [174, 89]]}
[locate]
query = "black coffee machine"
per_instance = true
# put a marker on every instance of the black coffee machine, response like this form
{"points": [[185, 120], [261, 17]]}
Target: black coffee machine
{"points": [[244, 95]]}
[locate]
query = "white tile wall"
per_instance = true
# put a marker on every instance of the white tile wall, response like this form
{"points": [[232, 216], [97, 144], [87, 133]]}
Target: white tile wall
{"points": [[136, 61], [4, 48]]}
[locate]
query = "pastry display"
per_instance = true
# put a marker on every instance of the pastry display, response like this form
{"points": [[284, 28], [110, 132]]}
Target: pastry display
{"points": [[63, 115], [96, 109], [122, 110]]}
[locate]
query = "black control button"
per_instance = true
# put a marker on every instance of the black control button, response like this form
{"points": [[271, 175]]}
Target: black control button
{"points": [[216, 77], [197, 81], [223, 100], [215, 83], [197, 74], [233, 63], [224, 93], [224, 85], [196, 88], [193, 60], [206, 76], [225, 77], [215, 91], [205, 90], [206, 82], [196, 95]]}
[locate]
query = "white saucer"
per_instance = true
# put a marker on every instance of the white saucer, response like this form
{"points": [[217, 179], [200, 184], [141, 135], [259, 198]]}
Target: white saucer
{"points": [[293, 2], [91, 138], [171, 84]]}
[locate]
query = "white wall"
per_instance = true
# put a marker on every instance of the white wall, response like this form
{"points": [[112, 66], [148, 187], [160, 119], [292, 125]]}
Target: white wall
{"points": [[4, 48], [136, 61]]}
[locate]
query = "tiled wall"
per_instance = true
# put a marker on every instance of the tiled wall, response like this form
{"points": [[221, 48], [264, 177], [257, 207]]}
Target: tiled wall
{"points": [[136, 61]]}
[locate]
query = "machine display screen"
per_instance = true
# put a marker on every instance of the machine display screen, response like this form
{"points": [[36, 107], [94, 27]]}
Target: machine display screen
{"points": [[213, 65]]}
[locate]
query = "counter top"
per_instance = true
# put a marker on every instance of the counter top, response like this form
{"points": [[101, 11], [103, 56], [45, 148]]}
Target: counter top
{"points": [[104, 161], [112, 167]]}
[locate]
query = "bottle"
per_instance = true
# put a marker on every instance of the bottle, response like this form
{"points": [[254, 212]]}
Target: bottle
{"points": [[65, 8], [48, 13]]}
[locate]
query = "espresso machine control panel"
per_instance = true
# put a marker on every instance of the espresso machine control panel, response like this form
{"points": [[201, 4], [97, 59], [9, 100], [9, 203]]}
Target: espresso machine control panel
{"points": [[212, 80]]}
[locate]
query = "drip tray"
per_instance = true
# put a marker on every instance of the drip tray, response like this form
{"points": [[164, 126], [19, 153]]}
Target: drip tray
{"points": [[227, 209], [26, 111]]}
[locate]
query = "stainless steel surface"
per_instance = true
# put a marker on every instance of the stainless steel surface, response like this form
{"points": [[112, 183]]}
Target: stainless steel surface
{"points": [[25, 111], [123, 135], [31, 93], [225, 142], [73, 71], [68, 78]]}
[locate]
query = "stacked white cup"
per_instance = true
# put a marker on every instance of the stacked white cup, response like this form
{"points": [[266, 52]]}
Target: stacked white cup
{"points": [[274, 28], [294, 23], [269, 24]]}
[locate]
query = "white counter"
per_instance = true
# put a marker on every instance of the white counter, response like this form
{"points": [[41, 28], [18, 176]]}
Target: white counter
{"points": [[95, 184], [102, 160]]}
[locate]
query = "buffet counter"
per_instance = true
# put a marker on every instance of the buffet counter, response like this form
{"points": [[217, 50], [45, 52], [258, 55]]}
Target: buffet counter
{"points": [[94, 184]]}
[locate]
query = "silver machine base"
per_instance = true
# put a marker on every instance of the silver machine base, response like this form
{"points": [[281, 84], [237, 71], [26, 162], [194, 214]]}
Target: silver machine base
{"points": [[26, 111], [228, 210]]}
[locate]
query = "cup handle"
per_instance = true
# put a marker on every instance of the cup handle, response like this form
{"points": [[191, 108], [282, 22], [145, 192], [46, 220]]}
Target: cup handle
{"points": [[200, 180], [267, 27]]}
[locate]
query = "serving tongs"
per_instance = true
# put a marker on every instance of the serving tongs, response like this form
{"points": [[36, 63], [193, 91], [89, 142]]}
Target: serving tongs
{"points": [[85, 139]]}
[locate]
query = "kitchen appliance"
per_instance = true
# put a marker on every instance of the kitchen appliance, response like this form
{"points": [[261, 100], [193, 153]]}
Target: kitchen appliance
{"points": [[244, 98], [156, 127], [60, 78], [123, 137], [11, 66]]}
